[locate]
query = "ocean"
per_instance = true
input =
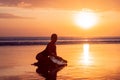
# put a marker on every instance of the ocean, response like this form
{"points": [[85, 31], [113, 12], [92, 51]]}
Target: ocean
{"points": [[61, 40], [88, 58]]}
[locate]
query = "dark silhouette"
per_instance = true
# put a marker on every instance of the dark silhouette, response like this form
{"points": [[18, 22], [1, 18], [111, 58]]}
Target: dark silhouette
{"points": [[48, 62], [49, 56], [49, 51], [49, 73]]}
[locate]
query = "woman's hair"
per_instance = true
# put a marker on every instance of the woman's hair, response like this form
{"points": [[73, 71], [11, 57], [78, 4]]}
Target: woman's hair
{"points": [[54, 36]]}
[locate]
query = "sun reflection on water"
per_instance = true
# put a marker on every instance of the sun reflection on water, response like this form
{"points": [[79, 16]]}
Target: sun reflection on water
{"points": [[86, 58]]}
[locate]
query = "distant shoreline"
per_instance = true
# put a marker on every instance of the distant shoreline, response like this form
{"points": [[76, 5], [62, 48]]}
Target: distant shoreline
{"points": [[11, 41]]}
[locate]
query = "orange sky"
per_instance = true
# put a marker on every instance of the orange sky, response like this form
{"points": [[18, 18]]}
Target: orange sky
{"points": [[43, 17]]}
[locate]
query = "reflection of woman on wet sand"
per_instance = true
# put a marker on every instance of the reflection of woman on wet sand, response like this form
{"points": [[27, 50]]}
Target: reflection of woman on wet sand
{"points": [[49, 73]]}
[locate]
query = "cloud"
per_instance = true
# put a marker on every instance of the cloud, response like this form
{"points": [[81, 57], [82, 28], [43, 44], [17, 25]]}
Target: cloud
{"points": [[11, 16], [17, 3], [23, 4], [64, 4]]}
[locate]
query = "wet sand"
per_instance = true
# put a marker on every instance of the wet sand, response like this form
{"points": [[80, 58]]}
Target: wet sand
{"points": [[85, 62]]}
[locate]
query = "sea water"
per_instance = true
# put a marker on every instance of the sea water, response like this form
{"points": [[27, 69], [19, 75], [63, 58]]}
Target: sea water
{"points": [[86, 61]]}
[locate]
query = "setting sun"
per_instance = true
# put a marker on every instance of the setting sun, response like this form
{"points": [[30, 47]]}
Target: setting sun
{"points": [[86, 18]]}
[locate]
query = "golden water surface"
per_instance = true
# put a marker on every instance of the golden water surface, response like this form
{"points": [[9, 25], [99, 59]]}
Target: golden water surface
{"points": [[85, 62]]}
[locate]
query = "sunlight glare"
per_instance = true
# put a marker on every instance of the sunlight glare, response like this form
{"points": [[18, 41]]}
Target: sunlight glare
{"points": [[86, 18], [86, 59]]}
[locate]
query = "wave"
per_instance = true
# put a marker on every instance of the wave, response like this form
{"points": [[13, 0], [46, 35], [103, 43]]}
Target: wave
{"points": [[62, 40]]}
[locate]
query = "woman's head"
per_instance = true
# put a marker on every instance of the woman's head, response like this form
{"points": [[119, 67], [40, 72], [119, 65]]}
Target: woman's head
{"points": [[54, 37]]}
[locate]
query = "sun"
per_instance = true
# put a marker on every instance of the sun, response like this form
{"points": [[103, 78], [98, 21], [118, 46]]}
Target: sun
{"points": [[86, 18]]}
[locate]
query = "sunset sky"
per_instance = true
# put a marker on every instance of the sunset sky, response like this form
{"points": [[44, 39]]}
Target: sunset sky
{"points": [[34, 18]]}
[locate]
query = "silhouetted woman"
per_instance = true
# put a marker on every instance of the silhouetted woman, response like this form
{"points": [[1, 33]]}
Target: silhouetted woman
{"points": [[47, 67], [50, 50]]}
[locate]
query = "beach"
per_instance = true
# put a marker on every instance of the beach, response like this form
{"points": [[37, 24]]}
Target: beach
{"points": [[85, 62], [86, 33]]}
